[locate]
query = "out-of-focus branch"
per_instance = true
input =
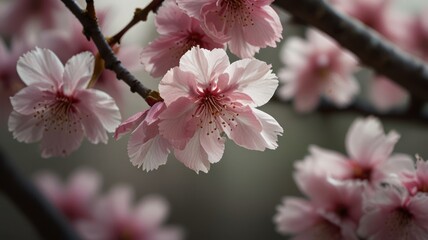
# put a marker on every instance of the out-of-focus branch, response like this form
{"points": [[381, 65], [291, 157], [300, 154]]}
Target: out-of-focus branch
{"points": [[369, 47], [139, 15], [47, 220], [92, 30]]}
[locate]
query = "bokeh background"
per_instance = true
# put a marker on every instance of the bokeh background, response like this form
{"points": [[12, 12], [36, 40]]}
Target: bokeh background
{"points": [[237, 199]]}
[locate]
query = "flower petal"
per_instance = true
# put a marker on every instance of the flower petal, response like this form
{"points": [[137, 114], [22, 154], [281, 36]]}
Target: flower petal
{"points": [[193, 155], [40, 67], [78, 71], [29, 98], [206, 65], [25, 128], [254, 78], [367, 143], [60, 142], [177, 83], [148, 154], [129, 124]]}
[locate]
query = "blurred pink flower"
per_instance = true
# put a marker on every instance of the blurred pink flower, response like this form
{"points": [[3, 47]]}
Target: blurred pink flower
{"points": [[333, 211], [17, 15], [416, 178], [116, 218], [385, 95], [314, 68], [207, 98], [245, 25], [378, 15], [56, 107], [179, 33], [74, 198], [146, 148], [390, 213], [369, 159], [418, 32]]}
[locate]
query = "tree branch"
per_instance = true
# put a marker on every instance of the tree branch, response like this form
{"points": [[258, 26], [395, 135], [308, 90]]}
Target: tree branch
{"points": [[47, 220], [369, 47], [92, 30]]}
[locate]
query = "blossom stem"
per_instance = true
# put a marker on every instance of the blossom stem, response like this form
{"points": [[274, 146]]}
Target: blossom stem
{"points": [[369, 47], [46, 219], [139, 15], [92, 31]]}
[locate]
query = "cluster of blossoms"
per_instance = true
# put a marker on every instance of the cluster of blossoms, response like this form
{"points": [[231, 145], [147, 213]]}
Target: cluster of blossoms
{"points": [[244, 26], [107, 217], [204, 97], [318, 67], [370, 193]]}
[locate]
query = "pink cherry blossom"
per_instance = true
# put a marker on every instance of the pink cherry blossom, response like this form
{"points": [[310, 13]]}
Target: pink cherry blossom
{"points": [[115, 217], [316, 68], [146, 148], [18, 15], [179, 33], [333, 211], [207, 98], [72, 37], [369, 157], [385, 95], [75, 197], [394, 215], [416, 178], [246, 25], [56, 108]]}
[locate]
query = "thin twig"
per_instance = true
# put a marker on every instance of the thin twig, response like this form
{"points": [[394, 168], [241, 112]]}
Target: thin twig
{"points": [[47, 220], [369, 47], [92, 30], [139, 15]]}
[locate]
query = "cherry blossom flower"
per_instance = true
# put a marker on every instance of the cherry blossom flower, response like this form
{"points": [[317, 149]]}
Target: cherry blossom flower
{"points": [[385, 95], [316, 68], [72, 37], [116, 218], [56, 108], [75, 197], [392, 214], [246, 25], [369, 159], [179, 33], [18, 15], [146, 147], [333, 211], [207, 98]]}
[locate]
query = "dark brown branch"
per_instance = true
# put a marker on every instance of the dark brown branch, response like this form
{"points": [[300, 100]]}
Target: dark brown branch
{"points": [[92, 30], [139, 15], [47, 220], [411, 114], [369, 47]]}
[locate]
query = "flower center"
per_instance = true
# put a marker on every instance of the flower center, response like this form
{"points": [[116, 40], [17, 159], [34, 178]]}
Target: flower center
{"points": [[58, 114], [216, 112], [182, 46], [236, 11], [360, 172]]}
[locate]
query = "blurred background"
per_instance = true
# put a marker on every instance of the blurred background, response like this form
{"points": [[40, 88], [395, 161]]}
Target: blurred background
{"points": [[237, 199]]}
